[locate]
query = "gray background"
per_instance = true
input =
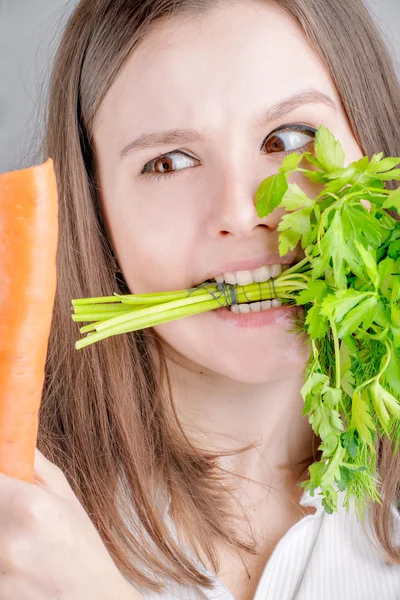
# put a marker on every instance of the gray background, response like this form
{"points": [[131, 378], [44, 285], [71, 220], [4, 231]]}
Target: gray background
{"points": [[29, 30]]}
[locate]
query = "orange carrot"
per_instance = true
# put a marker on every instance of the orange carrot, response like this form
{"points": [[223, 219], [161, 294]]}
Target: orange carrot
{"points": [[28, 246]]}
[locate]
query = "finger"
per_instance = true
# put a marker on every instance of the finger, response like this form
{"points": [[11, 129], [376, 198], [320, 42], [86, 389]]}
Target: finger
{"points": [[51, 477]]}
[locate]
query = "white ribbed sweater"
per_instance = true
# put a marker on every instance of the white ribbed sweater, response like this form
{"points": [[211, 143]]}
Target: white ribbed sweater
{"points": [[321, 557]]}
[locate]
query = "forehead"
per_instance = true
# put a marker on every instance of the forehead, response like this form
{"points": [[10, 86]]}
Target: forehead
{"points": [[228, 63]]}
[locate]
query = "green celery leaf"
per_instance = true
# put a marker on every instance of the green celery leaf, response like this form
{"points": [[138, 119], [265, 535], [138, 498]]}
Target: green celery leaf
{"points": [[376, 158], [295, 198], [345, 357], [316, 176], [395, 314], [385, 269], [370, 264], [396, 335], [390, 175], [390, 223], [389, 400], [362, 178], [351, 344], [320, 265], [379, 405], [316, 471], [350, 442], [361, 164], [394, 249], [347, 383], [325, 421], [328, 150], [346, 376], [392, 373], [270, 193], [367, 225], [365, 310], [329, 445], [291, 162], [347, 172], [333, 471], [332, 397], [384, 165], [330, 500], [309, 237], [297, 221], [314, 385], [313, 160], [395, 297], [347, 475], [288, 240], [335, 246], [337, 305], [393, 200], [318, 325], [369, 315], [337, 183], [361, 417], [316, 291]]}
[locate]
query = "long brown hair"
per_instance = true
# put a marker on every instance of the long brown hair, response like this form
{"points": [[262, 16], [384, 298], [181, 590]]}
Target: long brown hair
{"points": [[107, 417]]}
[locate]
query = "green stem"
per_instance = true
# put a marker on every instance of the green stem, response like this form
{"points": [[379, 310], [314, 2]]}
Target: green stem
{"points": [[251, 293], [388, 357], [139, 311], [337, 362], [379, 190], [324, 217], [381, 372], [337, 353], [135, 325]]}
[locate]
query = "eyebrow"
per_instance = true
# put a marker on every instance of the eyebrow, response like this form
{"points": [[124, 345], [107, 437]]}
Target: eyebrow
{"points": [[273, 113]]}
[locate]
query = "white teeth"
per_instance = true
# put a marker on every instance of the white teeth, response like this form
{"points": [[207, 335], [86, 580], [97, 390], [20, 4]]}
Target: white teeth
{"points": [[230, 278], [244, 277], [244, 308], [265, 304], [255, 307], [275, 303], [262, 274], [256, 275], [276, 270]]}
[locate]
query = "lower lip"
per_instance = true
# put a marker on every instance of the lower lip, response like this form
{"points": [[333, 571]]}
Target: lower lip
{"points": [[272, 316]]}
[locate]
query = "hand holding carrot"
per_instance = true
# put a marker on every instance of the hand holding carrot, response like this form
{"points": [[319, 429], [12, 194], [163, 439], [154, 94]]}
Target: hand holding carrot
{"points": [[49, 548]]}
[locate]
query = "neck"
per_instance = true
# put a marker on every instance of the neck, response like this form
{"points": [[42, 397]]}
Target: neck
{"points": [[218, 413]]}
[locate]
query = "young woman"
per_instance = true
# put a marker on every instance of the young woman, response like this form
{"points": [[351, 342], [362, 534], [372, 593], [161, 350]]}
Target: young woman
{"points": [[185, 444]]}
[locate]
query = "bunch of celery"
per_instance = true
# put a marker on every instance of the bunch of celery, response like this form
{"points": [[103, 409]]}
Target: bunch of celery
{"points": [[349, 285]]}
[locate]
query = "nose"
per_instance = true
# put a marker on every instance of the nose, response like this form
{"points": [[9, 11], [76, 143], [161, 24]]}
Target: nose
{"points": [[233, 206]]}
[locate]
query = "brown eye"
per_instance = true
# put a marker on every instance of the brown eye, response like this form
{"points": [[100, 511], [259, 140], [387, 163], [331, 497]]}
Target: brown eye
{"points": [[163, 165], [275, 144], [168, 164], [289, 140]]}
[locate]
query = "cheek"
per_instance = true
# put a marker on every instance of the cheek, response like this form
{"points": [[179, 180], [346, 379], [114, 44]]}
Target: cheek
{"points": [[153, 246]]}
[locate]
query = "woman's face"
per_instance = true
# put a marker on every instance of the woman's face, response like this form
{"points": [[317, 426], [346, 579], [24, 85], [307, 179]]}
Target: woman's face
{"points": [[181, 210]]}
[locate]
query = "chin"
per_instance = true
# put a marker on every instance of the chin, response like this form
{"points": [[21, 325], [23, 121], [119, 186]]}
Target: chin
{"points": [[255, 360], [262, 369]]}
